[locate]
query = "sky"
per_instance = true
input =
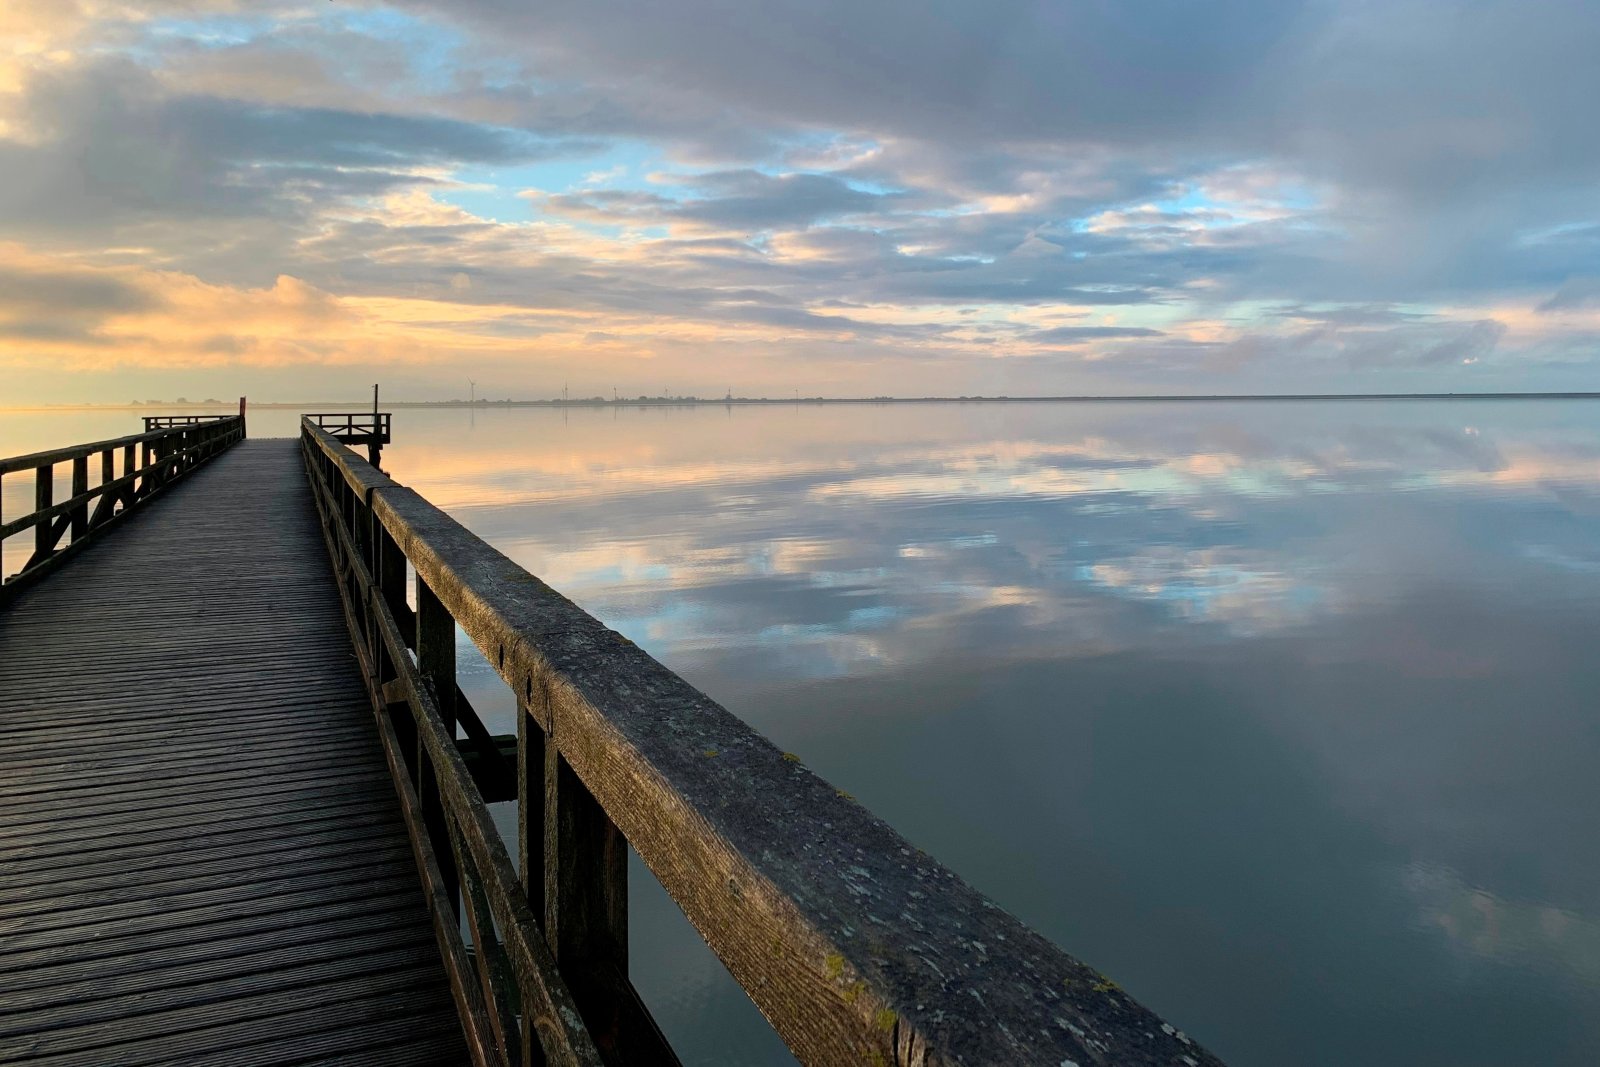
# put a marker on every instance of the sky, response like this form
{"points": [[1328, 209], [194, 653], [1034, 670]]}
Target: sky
{"points": [[293, 200]]}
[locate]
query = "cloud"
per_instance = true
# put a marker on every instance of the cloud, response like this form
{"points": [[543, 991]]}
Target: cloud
{"points": [[1027, 71], [107, 143], [78, 320], [1574, 293], [1077, 335], [62, 304], [743, 201], [1397, 93], [66, 292]]}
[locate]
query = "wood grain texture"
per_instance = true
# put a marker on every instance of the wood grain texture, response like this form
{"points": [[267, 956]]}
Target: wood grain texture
{"points": [[202, 858]]}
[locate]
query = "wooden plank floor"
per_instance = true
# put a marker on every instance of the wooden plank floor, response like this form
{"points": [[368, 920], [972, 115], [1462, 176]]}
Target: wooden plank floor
{"points": [[202, 859]]}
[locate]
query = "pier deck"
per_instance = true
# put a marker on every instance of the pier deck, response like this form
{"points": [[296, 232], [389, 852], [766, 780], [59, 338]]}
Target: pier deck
{"points": [[202, 857]]}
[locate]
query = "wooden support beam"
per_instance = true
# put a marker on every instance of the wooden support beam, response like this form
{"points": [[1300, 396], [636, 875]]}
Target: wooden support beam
{"points": [[488, 768]]}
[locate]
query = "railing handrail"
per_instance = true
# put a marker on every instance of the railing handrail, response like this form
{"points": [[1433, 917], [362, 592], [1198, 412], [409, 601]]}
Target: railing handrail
{"points": [[156, 422], [339, 420], [855, 945]]}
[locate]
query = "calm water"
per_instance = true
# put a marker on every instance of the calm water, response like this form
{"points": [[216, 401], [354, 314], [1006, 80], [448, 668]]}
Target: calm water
{"points": [[1282, 715]]}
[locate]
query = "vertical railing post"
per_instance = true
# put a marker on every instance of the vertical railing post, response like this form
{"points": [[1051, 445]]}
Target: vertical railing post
{"points": [[389, 571], [586, 903], [43, 497], [436, 649], [347, 506], [361, 529], [108, 500], [80, 486], [436, 657], [530, 844], [130, 490], [389, 565]]}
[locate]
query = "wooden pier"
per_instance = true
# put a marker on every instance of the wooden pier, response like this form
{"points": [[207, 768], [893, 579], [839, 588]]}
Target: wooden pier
{"points": [[243, 805]]}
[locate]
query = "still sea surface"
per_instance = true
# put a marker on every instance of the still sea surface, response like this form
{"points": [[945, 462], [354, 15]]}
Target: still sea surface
{"points": [[1286, 716]]}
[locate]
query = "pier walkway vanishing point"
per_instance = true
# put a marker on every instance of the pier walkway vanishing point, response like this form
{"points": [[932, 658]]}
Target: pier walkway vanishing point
{"points": [[243, 804]]}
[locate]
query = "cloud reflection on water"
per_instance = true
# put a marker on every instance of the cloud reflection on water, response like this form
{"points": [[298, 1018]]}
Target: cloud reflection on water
{"points": [[835, 520], [1280, 714]]}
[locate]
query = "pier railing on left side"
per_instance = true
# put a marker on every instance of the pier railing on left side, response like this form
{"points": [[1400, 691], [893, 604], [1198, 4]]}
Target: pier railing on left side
{"points": [[131, 470]]}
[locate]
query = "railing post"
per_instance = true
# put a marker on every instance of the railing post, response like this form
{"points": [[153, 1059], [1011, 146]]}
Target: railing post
{"points": [[361, 529], [80, 486], [108, 502], [436, 650], [436, 656], [43, 497], [390, 567], [129, 491], [586, 906], [530, 839]]}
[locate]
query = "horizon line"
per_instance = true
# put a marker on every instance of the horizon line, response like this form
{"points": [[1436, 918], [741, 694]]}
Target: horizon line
{"points": [[601, 401]]}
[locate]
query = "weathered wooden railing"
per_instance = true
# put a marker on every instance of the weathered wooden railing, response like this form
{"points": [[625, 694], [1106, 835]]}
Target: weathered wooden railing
{"points": [[345, 426], [149, 462], [163, 422], [352, 428], [858, 948]]}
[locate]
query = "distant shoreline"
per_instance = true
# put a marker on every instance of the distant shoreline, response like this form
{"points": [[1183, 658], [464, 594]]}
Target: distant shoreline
{"points": [[744, 401]]}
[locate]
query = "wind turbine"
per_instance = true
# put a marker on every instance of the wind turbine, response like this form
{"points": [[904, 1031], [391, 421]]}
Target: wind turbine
{"points": [[472, 388]]}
